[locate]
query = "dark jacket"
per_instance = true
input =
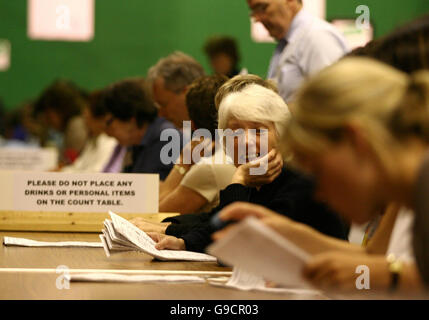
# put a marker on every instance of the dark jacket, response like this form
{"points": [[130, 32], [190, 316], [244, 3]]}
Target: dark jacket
{"points": [[291, 194], [146, 156]]}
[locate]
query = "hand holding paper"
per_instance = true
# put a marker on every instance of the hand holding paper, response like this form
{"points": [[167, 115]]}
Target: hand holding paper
{"points": [[122, 232], [257, 249]]}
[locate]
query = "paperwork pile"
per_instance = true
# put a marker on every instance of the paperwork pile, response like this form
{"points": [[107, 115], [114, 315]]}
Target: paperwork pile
{"points": [[121, 235]]}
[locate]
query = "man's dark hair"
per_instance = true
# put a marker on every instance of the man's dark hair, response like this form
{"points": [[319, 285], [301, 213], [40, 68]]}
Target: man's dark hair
{"points": [[129, 99], [96, 103], [200, 100], [406, 48], [222, 44], [63, 97]]}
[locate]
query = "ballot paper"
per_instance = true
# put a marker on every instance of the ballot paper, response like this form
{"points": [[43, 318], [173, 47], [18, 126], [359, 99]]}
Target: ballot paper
{"points": [[21, 242], [122, 234], [261, 251], [246, 281], [111, 277]]}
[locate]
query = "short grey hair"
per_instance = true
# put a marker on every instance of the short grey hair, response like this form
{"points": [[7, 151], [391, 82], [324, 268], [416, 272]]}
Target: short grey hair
{"points": [[178, 71], [254, 103]]}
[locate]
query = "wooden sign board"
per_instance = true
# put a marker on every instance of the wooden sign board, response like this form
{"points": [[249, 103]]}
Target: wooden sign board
{"points": [[52, 201]]}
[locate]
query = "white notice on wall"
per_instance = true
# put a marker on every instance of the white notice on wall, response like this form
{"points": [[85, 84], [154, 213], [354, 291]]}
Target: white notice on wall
{"points": [[28, 159], [81, 192], [4, 54], [70, 20]]}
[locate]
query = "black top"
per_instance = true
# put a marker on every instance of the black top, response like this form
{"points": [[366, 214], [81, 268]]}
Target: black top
{"points": [[421, 221], [291, 194]]}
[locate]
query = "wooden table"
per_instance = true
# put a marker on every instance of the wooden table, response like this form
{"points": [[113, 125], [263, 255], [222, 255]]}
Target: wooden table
{"points": [[30, 273]]}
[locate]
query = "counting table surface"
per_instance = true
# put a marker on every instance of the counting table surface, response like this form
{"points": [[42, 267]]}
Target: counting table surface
{"points": [[30, 273]]}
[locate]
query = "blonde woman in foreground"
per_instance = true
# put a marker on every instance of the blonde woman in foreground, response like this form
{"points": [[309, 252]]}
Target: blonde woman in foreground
{"points": [[364, 139]]}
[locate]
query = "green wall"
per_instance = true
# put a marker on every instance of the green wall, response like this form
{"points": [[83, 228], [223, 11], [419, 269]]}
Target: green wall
{"points": [[130, 36]]}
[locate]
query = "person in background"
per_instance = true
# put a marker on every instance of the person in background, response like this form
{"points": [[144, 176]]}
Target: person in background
{"points": [[306, 44], [366, 144], [223, 55], [60, 107], [133, 120], [99, 147], [169, 80], [195, 187]]}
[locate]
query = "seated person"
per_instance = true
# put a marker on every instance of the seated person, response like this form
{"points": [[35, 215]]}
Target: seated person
{"points": [[99, 147], [277, 188], [357, 143], [391, 237], [169, 80], [61, 106], [133, 120], [200, 91], [194, 187]]}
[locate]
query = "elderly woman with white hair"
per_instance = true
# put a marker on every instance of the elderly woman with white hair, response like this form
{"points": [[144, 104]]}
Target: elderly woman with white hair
{"points": [[255, 114]]}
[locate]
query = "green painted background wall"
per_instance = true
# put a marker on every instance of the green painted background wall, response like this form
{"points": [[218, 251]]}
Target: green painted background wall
{"points": [[130, 36]]}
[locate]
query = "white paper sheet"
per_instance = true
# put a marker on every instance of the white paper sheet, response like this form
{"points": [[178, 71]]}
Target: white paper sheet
{"points": [[144, 243], [254, 247], [110, 277], [245, 281], [21, 242]]}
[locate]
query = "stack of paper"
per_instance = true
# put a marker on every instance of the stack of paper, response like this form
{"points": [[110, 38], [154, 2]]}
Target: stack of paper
{"points": [[259, 250], [120, 234]]}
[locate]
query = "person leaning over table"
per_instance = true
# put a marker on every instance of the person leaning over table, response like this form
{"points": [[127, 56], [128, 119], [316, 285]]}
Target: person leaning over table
{"points": [[60, 108], [280, 189], [99, 147], [366, 145], [184, 223], [169, 80], [133, 120]]}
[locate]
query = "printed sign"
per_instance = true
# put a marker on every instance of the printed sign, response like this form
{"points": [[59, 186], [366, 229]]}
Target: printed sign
{"points": [[28, 159], [82, 192]]}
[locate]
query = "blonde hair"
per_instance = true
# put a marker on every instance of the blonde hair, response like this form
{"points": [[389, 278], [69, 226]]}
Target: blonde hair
{"points": [[238, 83], [385, 103]]}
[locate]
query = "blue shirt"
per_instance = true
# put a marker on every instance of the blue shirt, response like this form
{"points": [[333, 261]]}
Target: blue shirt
{"points": [[146, 157], [310, 45]]}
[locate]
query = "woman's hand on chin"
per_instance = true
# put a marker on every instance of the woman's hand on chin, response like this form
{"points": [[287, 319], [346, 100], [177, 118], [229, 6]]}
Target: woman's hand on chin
{"points": [[259, 172]]}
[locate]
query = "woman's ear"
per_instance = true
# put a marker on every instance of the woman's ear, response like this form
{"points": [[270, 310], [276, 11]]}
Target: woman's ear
{"points": [[357, 139]]}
